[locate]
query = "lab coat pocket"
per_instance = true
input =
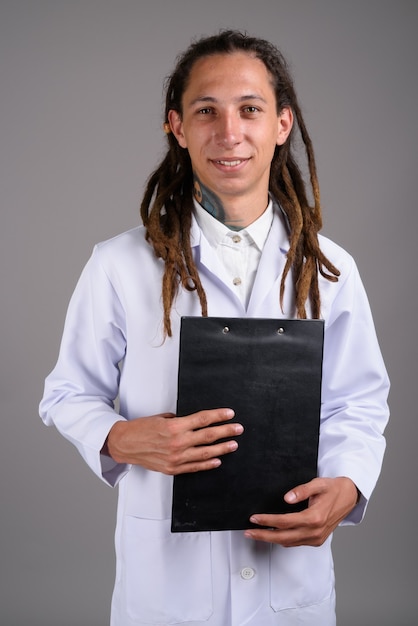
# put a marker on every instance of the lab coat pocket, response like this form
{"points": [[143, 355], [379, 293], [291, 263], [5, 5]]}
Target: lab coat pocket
{"points": [[300, 576], [168, 578], [147, 495]]}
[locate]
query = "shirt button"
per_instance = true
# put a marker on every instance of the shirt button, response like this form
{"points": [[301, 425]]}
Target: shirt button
{"points": [[247, 573], [237, 281], [236, 238]]}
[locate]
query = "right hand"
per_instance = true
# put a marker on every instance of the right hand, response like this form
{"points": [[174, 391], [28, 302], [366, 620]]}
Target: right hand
{"points": [[174, 445]]}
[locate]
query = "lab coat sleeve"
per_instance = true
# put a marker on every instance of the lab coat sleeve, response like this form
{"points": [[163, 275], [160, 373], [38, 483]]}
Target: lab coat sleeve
{"points": [[354, 392], [80, 392]]}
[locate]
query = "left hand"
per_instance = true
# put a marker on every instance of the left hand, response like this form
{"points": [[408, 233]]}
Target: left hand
{"points": [[330, 501]]}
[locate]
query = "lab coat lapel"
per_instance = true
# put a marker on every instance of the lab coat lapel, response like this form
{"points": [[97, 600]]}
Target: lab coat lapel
{"points": [[270, 268]]}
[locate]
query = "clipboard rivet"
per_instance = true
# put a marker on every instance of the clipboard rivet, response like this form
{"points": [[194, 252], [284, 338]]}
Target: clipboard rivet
{"points": [[225, 330], [280, 331]]}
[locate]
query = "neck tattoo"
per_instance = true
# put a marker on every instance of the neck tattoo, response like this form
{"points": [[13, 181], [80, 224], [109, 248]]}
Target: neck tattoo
{"points": [[213, 204]]}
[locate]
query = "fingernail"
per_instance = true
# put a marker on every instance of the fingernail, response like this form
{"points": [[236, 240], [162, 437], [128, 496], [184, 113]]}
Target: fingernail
{"points": [[291, 496]]}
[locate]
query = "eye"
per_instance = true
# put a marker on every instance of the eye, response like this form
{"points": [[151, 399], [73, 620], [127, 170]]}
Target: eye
{"points": [[205, 111], [251, 109]]}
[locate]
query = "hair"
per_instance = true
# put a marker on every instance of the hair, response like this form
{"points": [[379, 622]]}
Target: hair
{"points": [[167, 205]]}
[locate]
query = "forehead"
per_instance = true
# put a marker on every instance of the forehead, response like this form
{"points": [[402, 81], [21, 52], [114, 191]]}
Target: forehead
{"points": [[233, 73]]}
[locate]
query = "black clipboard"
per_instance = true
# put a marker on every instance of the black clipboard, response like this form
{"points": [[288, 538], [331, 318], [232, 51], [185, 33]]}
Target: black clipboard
{"points": [[269, 371]]}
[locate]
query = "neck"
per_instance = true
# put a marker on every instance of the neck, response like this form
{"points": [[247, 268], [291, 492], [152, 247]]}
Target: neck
{"points": [[233, 218]]}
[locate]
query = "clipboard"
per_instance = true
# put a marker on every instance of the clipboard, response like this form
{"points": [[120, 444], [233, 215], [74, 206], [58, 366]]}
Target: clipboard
{"points": [[270, 372]]}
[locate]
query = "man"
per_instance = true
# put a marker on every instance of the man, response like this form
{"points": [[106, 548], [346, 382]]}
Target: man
{"points": [[228, 231]]}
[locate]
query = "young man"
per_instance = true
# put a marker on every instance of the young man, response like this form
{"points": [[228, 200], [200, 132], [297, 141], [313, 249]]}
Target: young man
{"points": [[228, 231]]}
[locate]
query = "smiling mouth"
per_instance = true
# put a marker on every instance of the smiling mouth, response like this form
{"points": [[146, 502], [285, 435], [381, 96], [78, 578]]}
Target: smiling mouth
{"points": [[231, 163]]}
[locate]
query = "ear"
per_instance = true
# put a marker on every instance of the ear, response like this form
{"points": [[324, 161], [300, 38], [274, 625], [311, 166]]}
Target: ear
{"points": [[176, 126], [284, 125]]}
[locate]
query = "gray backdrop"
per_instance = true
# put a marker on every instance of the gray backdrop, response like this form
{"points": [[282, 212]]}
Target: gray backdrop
{"points": [[81, 86]]}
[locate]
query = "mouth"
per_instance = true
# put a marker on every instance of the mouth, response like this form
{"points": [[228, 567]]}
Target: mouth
{"points": [[229, 162]]}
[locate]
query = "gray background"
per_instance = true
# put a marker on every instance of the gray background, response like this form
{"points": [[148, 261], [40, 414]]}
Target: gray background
{"points": [[81, 86]]}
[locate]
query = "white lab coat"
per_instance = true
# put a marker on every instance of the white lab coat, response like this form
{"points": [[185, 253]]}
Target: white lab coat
{"points": [[113, 344]]}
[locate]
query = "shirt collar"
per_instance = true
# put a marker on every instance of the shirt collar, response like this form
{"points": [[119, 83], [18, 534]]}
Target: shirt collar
{"points": [[215, 231]]}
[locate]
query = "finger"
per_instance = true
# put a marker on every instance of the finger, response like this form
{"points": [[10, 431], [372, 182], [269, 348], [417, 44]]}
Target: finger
{"points": [[202, 419], [305, 491], [201, 458], [197, 429], [268, 535], [290, 529], [204, 458], [204, 453], [211, 434], [285, 521], [284, 538], [188, 468]]}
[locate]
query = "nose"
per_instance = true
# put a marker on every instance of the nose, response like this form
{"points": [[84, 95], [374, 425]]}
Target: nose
{"points": [[229, 130]]}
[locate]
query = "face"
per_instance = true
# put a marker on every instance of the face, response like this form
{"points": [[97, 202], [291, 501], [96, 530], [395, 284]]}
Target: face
{"points": [[230, 126]]}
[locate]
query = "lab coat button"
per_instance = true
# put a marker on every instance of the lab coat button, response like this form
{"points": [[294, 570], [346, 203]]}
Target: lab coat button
{"points": [[236, 238], [237, 281], [247, 573]]}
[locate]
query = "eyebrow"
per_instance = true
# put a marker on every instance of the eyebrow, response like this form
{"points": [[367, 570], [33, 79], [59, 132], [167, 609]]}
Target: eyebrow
{"points": [[214, 100]]}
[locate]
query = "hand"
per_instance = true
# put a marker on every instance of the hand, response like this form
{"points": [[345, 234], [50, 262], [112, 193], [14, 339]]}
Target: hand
{"points": [[174, 445], [330, 501]]}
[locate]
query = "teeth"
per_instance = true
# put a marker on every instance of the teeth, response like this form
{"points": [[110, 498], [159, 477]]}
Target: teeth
{"points": [[230, 163]]}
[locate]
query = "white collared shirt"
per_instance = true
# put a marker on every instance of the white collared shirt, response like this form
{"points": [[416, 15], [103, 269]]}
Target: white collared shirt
{"points": [[238, 251]]}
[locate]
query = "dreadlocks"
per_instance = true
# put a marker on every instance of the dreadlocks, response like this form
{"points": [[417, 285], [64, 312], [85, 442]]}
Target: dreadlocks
{"points": [[167, 206]]}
